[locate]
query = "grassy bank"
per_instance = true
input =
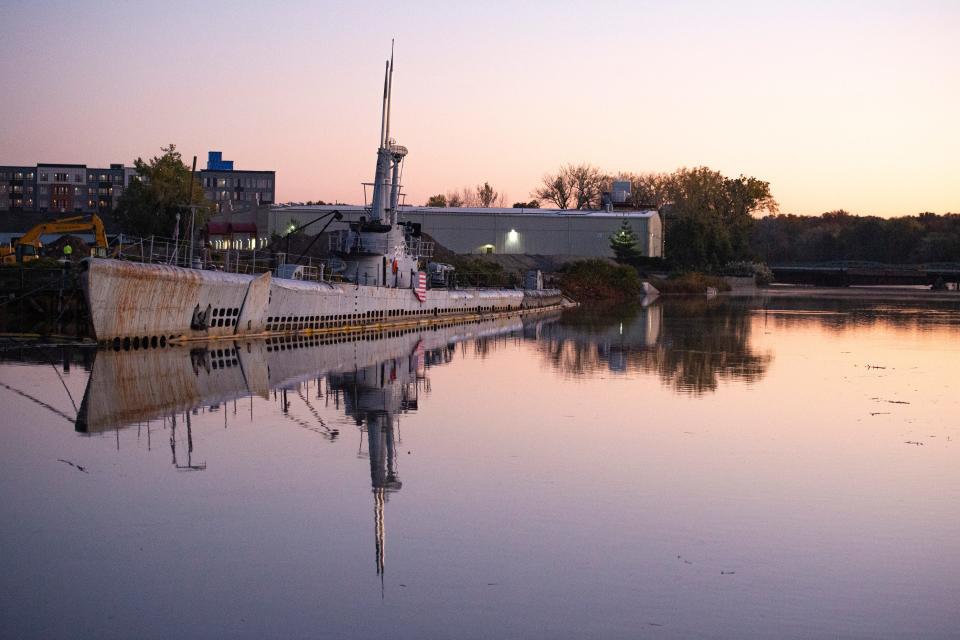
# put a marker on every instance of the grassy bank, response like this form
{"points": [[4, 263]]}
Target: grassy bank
{"points": [[687, 283], [599, 280]]}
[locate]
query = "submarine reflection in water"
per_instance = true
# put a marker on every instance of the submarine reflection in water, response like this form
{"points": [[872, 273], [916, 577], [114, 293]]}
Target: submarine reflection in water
{"points": [[370, 380]]}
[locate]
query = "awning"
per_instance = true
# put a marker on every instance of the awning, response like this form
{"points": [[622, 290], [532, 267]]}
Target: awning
{"points": [[231, 228]]}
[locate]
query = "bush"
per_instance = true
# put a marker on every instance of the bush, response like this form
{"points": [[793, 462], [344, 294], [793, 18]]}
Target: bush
{"points": [[599, 280], [760, 272], [762, 275]]}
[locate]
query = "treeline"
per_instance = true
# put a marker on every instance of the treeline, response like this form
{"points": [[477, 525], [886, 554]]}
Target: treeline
{"points": [[708, 217], [838, 235], [712, 221], [482, 195]]}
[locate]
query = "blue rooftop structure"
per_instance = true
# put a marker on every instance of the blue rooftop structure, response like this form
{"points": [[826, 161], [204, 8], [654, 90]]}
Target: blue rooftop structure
{"points": [[215, 162]]}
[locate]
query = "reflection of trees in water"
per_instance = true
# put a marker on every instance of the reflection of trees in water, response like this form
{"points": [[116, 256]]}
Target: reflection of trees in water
{"points": [[582, 341], [704, 341], [690, 344], [843, 314]]}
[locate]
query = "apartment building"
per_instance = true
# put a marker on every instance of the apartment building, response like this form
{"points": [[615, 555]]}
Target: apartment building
{"points": [[228, 187], [62, 188]]}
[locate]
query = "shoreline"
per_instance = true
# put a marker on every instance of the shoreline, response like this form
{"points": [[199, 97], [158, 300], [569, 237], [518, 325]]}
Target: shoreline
{"points": [[847, 293]]}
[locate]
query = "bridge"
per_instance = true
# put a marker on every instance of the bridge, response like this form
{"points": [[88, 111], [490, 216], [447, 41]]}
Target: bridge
{"points": [[846, 274]]}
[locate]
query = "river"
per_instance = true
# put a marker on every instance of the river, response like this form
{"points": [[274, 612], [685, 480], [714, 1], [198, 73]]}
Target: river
{"points": [[726, 468]]}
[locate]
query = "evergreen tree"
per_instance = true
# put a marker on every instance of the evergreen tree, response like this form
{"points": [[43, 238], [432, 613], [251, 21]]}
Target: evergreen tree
{"points": [[624, 244]]}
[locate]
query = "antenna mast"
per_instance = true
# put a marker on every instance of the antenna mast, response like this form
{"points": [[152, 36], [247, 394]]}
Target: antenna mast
{"points": [[386, 181], [383, 113], [389, 88]]}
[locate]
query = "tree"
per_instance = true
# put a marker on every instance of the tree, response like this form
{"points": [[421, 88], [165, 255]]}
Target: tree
{"points": [[163, 188], [646, 189], [582, 185], [710, 217], [939, 247], [839, 235], [624, 244], [533, 204], [465, 197], [555, 189], [587, 184], [438, 200], [486, 195]]}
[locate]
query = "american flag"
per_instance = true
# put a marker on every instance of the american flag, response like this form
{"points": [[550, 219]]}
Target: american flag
{"points": [[421, 288]]}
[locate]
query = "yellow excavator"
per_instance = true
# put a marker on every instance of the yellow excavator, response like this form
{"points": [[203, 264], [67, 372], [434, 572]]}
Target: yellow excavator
{"points": [[27, 248]]}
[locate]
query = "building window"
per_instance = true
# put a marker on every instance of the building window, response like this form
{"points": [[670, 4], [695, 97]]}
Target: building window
{"points": [[43, 176], [30, 176], [61, 177]]}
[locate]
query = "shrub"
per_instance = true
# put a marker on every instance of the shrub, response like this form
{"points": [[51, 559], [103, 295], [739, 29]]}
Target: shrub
{"points": [[760, 272], [599, 280]]}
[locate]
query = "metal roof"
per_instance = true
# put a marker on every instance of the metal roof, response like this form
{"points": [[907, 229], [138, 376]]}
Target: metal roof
{"points": [[564, 213]]}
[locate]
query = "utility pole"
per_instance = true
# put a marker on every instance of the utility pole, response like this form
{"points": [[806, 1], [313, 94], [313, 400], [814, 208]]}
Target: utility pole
{"points": [[193, 207]]}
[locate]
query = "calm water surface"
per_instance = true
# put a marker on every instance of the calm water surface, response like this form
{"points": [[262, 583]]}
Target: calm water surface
{"points": [[770, 468]]}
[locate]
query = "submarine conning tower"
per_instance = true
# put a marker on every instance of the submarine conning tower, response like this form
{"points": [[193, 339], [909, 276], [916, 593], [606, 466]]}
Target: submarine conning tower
{"points": [[390, 155], [376, 250]]}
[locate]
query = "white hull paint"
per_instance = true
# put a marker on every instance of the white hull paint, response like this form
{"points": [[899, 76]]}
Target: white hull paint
{"points": [[154, 305]]}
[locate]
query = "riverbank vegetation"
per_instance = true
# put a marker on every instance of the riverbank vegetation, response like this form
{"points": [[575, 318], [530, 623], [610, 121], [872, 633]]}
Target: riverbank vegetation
{"points": [[839, 235], [599, 280], [689, 283]]}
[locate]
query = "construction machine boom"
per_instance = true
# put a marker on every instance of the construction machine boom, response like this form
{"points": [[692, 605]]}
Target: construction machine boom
{"points": [[27, 248]]}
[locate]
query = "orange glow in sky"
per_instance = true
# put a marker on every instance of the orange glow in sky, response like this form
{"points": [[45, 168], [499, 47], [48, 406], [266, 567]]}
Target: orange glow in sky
{"points": [[838, 105]]}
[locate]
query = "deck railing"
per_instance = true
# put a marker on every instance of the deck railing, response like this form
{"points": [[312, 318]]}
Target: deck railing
{"points": [[347, 241], [158, 250]]}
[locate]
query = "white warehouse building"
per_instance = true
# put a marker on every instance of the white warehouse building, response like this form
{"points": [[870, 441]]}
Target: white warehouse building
{"points": [[508, 231]]}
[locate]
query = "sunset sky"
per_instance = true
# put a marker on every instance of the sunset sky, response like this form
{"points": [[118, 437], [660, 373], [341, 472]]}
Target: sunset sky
{"points": [[852, 105]]}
